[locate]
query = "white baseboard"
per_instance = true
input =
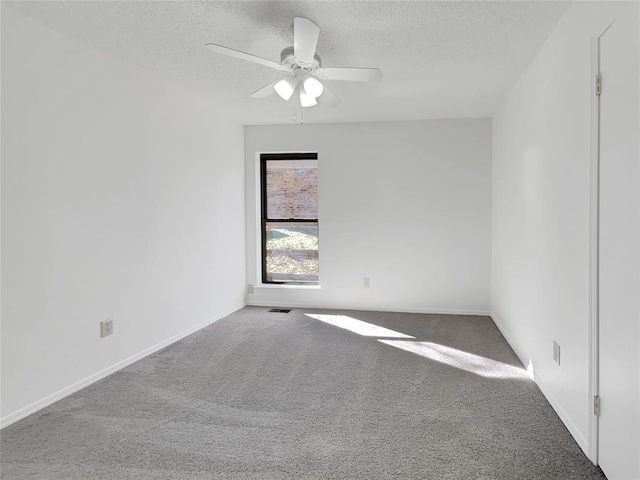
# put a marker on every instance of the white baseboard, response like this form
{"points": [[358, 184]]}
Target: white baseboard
{"points": [[553, 401], [60, 394], [573, 430], [369, 308]]}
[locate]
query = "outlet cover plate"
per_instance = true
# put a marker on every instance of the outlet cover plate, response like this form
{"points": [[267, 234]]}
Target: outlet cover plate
{"points": [[106, 327], [556, 352]]}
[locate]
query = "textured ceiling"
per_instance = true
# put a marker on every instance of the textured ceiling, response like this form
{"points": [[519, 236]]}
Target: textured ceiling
{"points": [[440, 59]]}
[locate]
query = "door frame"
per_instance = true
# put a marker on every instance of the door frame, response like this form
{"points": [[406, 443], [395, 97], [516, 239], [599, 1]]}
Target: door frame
{"points": [[594, 236], [594, 251]]}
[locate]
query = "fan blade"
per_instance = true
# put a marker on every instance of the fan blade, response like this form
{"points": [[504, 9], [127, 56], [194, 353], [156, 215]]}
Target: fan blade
{"points": [[265, 91], [350, 74], [305, 39], [328, 98], [245, 56]]}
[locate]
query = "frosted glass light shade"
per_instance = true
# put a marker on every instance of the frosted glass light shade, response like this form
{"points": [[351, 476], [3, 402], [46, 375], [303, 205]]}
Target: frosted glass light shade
{"points": [[313, 87], [285, 88], [306, 100]]}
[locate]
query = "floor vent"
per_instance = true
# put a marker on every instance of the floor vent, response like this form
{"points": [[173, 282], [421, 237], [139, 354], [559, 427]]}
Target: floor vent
{"points": [[280, 310]]}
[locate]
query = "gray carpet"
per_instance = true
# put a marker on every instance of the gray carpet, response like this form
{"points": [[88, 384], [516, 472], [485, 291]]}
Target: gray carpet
{"points": [[284, 396]]}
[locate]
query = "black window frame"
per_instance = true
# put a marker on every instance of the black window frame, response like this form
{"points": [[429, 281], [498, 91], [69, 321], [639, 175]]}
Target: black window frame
{"points": [[264, 158]]}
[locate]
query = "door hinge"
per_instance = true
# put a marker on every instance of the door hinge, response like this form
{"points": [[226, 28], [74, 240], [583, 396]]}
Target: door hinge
{"points": [[598, 85], [596, 405]]}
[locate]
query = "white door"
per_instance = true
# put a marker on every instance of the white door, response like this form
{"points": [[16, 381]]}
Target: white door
{"points": [[619, 252]]}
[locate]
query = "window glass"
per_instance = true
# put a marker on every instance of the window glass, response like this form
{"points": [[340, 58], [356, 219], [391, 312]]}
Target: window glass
{"points": [[289, 218], [292, 252], [292, 189]]}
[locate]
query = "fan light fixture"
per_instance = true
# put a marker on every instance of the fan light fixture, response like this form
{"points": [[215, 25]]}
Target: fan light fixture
{"points": [[313, 87], [306, 99], [285, 88], [310, 89]]}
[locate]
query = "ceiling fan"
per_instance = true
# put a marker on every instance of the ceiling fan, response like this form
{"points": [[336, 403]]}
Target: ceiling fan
{"points": [[303, 68]]}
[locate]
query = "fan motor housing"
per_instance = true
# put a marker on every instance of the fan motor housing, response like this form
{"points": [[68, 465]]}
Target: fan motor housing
{"points": [[288, 59]]}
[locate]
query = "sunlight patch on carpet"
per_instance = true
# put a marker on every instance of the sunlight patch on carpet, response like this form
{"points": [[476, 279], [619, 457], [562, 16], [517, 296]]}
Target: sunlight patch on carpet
{"points": [[358, 326], [485, 367]]}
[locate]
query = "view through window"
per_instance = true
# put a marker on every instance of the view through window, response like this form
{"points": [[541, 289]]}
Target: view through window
{"points": [[289, 192]]}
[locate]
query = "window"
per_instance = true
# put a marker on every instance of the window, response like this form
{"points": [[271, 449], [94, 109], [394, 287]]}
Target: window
{"points": [[289, 192]]}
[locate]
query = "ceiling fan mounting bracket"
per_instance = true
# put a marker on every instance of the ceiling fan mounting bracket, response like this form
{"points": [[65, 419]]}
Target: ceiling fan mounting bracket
{"points": [[288, 59]]}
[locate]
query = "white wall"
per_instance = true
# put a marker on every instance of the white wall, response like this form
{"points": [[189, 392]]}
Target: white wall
{"points": [[406, 204], [122, 197], [541, 199]]}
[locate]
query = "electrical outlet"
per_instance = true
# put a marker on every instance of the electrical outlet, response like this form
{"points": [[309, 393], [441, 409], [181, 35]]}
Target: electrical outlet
{"points": [[366, 283], [106, 327], [249, 288], [556, 352]]}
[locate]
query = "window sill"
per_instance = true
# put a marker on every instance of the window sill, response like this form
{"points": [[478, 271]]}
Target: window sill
{"points": [[280, 286]]}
